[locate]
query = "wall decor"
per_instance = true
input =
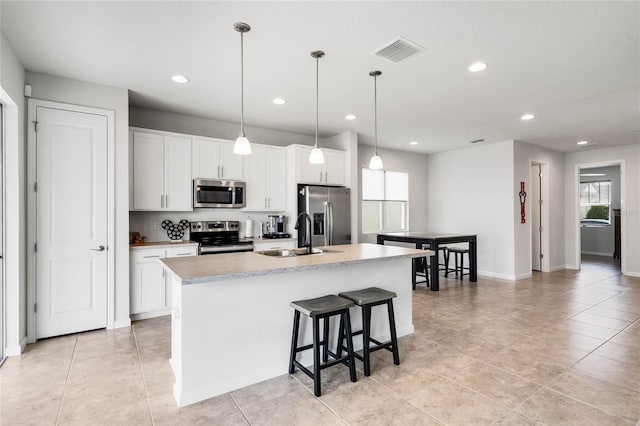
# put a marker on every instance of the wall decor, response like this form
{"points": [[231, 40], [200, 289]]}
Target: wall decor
{"points": [[523, 198], [175, 231]]}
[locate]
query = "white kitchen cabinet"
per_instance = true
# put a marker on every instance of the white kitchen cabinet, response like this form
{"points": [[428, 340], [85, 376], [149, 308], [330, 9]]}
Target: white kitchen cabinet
{"points": [[150, 289], [332, 172], [214, 159], [275, 244], [161, 172], [266, 178]]}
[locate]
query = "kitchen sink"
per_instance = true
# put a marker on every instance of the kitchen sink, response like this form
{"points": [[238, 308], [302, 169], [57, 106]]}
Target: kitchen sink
{"points": [[302, 251]]}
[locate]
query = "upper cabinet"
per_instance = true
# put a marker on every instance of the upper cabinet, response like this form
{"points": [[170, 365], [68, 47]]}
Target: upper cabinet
{"points": [[161, 172], [214, 159], [266, 178], [332, 172]]}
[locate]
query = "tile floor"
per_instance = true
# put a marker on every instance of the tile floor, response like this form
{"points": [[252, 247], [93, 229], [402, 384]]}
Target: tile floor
{"points": [[560, 348]]}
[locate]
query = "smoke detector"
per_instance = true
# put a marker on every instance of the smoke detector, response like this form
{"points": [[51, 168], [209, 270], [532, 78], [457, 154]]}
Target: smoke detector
{"points": [[397, 50]]}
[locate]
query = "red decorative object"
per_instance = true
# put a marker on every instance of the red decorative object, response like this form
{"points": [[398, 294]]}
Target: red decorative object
{"points": [[523, 197]]}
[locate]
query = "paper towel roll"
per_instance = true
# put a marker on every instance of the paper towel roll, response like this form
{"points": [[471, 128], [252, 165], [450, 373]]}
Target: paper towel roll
{"points": [[248, 228]]}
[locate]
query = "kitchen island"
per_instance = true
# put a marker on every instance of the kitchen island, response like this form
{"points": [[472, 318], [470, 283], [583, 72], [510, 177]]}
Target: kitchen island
{"points": [[231, 321]]}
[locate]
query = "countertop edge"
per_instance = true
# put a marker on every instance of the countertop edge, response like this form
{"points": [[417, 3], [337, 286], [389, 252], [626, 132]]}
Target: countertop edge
{"points": [[301, 268]]}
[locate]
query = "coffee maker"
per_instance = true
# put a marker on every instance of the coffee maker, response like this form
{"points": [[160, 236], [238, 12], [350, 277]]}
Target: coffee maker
{"points": [[275, 227]]}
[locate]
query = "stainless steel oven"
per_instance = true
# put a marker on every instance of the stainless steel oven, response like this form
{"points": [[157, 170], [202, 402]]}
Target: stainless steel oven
{"points": [[218, 193], [220, 236]]}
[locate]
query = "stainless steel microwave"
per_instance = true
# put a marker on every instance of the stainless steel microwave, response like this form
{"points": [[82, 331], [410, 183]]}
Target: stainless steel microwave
{"points": [[218, 193]]}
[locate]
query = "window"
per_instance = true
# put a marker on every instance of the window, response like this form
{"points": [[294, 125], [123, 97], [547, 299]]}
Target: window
{"points": [[595, 203], [385, 195]]}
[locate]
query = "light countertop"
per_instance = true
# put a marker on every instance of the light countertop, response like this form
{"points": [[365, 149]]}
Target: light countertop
{"points": [[192, 270], [161, 244]]}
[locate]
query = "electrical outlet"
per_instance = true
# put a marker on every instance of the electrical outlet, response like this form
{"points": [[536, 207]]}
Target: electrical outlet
{"points": [[156, 225]]}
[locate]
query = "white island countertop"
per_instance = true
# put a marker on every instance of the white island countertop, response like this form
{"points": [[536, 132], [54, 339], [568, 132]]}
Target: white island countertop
{"points": [[198, 269]]}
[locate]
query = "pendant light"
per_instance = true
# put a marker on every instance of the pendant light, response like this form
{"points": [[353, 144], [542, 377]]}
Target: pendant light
{"points": [[316, 156], [376, 162], [242, 145]]}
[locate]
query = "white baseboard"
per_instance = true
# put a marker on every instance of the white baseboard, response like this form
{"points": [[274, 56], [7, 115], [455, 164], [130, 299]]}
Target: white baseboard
{"points": [[494, 275], [594, 253], [632, 274], [122, 324], [153, 314], [17, 350], [557, 268], [573, 267], [523, 276]]}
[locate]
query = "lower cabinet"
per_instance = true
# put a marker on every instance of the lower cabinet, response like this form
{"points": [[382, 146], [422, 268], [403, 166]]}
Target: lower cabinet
{"points": [[150, 290], [274, 244]]}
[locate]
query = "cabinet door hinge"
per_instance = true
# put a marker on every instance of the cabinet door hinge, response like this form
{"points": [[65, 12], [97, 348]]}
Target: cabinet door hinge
{"points": [[35, 126], [35, 307], [35, 247], [35, 186], [541, 255]]}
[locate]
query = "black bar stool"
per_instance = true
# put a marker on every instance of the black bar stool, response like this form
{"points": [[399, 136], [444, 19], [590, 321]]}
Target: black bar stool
{"points": [[322, 308], [367, 298], [457, 252], [420, 268]]}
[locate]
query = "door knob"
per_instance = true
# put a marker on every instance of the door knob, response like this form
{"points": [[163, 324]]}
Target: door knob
{"points": [[100, 248]]}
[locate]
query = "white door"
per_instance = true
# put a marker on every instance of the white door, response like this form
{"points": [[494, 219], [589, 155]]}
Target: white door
{"points": [[277, 179], [177, 173], [72, 225], [334, 168], [231, 164], [206, 159], [148, 171], [536, 218]]}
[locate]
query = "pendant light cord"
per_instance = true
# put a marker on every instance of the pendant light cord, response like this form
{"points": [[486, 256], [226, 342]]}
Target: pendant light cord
{"points": [[241, 83], [375, 111], [317, 71]]}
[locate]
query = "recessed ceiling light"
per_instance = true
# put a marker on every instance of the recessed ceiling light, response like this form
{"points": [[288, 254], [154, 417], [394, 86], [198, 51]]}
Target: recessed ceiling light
{"points": [[413, 143], [350, 117], [583, 143], [279, 101], [527, 117], [478, 66], [180, 78]]}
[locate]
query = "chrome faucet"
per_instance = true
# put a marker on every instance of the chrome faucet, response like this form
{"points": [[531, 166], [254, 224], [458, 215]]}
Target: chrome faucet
{"points": [[307, 237]]}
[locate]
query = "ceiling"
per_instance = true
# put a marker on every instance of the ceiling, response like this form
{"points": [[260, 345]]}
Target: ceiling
{"points": [[575, 65]]}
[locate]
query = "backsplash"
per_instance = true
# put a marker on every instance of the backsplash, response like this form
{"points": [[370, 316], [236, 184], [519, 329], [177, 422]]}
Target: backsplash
{"points": [[149, 224]]}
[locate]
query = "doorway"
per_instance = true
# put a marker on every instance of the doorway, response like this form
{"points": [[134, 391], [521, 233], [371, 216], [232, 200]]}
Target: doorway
{"points": [[71, 208], [3, 293], [600, 207]]}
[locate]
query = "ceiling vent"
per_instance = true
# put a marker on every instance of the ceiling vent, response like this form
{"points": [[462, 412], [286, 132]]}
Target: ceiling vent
{"points": [[397, 50]]}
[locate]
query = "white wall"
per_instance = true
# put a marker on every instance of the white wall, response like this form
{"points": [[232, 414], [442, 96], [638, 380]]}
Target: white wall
{"points": [[59, 89], [470, 191], [553, 208], [12, 77], [171, 122], [599, 240], [398, 161], [629, 157]]}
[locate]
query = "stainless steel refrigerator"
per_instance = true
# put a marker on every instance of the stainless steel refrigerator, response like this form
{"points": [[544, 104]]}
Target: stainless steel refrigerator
{"points": [[330, 210]]}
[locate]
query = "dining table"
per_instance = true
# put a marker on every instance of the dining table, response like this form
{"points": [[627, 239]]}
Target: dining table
{"points": [[435, 242]]}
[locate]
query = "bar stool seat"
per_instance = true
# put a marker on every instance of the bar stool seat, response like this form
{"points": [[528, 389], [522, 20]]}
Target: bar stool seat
{"points": [[457, 251], [366, 299], [323, 308]]}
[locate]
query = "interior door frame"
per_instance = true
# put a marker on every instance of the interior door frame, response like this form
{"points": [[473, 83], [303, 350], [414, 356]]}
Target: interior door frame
{"points": [[623, 209], [33, 104], [545, 189]]}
